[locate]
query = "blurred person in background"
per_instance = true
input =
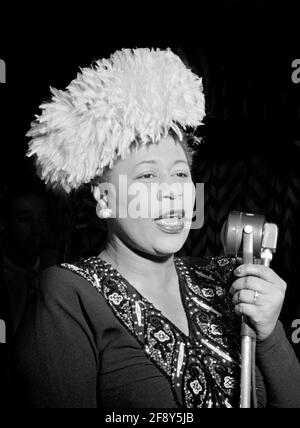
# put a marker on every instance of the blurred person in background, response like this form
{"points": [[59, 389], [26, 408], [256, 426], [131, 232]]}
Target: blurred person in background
{"points": [[25, 248], [25, 251]]}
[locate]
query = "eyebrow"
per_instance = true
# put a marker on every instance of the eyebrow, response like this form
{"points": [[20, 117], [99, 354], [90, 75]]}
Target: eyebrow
{"points": [[154, 162]]}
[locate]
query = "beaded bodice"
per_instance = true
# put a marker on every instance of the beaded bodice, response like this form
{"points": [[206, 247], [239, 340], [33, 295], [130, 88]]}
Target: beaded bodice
{"points": [[203, 368]]}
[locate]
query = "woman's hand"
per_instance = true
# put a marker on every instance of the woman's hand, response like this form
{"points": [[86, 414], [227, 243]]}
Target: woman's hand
{"points": [[258, 293]]}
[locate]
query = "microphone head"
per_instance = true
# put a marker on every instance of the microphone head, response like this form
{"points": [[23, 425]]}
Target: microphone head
{"points": [[270, 236], [232, 232]]}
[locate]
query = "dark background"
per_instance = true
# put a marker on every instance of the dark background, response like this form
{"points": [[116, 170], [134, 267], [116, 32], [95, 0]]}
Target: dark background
{"points": [[250, 158]]}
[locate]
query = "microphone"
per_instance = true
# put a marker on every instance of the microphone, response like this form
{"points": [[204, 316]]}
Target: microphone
{"points": [[250, 237], [265, 235]]}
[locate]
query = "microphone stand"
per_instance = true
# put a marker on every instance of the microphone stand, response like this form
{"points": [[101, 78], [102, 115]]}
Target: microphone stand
{"points": [[248, 335]]}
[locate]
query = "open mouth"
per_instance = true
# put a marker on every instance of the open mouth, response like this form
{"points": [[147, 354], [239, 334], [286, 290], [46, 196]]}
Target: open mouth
{"points": [[171, 222], [175, 214]]}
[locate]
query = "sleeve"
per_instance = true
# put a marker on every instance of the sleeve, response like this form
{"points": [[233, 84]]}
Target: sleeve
{"points": [[260, 389], [280, 370], [55, 359]]}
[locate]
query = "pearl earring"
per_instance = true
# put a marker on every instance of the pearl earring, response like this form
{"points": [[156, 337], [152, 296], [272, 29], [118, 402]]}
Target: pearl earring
{"points": [[102, 209]]}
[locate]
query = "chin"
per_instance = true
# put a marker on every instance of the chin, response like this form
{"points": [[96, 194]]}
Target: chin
{"points": [[168, 246]]}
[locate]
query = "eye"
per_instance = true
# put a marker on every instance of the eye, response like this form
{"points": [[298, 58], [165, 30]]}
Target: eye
{"points": [[182, 174], [147, 176]]}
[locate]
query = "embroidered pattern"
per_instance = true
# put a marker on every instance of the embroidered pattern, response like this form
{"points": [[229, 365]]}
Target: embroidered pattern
{"points": [[203, 369], [116, 298], [229, 382], [161, 336]]}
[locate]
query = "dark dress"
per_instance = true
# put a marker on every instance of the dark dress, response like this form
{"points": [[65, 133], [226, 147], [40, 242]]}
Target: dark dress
{"points": [[89, 339]]}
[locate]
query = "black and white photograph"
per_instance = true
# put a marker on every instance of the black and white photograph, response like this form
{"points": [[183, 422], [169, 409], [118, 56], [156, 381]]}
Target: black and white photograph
{"points": [[150, 212]]}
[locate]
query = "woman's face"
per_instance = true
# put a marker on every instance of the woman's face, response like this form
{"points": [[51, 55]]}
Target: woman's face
{"points": [[153, 199]]}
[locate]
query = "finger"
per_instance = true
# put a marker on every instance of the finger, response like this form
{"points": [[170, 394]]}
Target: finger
{"points": [[251, 283], [247, 296], [247, 310], [259, 271]]}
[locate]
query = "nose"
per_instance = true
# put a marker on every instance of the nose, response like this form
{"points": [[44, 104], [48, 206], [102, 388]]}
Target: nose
{"points": [[169, 190]]}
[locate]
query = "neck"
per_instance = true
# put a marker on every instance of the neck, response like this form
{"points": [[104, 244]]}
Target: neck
{"points": [[140, 268]]}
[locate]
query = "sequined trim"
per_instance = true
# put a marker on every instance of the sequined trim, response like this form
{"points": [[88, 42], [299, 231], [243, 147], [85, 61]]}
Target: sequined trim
{"points": [[203, 369], [207, 307]]}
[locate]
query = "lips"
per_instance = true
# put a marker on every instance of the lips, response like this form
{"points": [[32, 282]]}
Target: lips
{"points": [[171, 222], [172, 214]]}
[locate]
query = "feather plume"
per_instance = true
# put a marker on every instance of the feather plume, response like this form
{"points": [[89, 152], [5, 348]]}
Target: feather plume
{"points": [[138, 94]]}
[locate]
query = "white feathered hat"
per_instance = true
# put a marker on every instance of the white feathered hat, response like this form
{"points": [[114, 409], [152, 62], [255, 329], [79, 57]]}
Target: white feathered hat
{"points": [[135, 95]]}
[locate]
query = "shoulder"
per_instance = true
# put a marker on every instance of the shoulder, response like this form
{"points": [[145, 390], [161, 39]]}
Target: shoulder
{"points": [[67, 282]]}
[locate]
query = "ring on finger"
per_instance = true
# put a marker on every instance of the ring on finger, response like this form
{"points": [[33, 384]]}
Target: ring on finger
{"points": [[255, 297]]}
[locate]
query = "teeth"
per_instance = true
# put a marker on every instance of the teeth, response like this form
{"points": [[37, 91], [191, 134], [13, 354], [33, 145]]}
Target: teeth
{"points": [[177, 216], [169, 220]]}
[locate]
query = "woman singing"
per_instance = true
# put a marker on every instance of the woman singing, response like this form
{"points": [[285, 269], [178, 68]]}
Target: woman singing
{"points": [[135, 326]]}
